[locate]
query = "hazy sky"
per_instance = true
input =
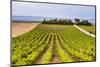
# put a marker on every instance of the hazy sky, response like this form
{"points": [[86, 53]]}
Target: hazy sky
{"points": [[52, 10]]}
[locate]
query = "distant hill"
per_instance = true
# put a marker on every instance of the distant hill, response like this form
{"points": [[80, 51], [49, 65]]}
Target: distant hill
{"points": [[26, 22], [30, 18], [39, 19]]}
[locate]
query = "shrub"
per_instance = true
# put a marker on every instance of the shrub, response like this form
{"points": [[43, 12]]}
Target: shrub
{"points": [[84, 22], [56, 21], [77, 20]]}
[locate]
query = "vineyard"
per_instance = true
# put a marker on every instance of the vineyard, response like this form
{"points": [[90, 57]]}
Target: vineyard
{"points": [[50, 43], [90, 29]]}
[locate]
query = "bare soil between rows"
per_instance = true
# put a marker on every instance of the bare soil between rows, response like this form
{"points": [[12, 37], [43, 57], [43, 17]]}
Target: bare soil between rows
{"points": [[55, 58]]}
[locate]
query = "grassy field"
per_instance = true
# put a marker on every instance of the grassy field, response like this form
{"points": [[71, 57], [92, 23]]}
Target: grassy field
{"points": [[90, 29], [49, 43]]}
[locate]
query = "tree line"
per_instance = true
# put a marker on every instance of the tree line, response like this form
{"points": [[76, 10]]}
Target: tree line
{"points": [[67, 22]]}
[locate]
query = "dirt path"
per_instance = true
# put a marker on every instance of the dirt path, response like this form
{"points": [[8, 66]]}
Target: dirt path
{"points": [[21, 28], [84, 31]]}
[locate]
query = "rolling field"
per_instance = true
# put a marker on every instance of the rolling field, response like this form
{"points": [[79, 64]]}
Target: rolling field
{"points": [[90, 29], [49, 43], [19, 28]]}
